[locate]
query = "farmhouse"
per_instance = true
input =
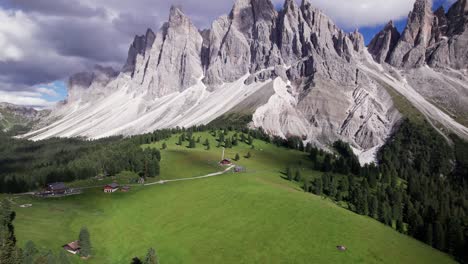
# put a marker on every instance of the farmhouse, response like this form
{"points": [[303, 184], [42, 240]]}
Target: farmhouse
{"points": [[110, 188], [225, 162], [57, 188], [72, 247]]}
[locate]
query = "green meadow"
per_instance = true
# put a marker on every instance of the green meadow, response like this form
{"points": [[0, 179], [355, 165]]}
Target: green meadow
{"points": [[252, 217]]}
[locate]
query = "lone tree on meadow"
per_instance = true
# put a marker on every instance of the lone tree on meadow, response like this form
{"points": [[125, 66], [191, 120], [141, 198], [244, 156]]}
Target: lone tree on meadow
{"points": [[298, 176], [289, 174], [85, 242], [237, 157], [164, 145], [192, 143], [248, 156]]}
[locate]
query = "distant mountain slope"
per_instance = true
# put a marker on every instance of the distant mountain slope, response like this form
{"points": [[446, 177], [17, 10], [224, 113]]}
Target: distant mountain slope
{"points": [[319, 82], [18, 119]]}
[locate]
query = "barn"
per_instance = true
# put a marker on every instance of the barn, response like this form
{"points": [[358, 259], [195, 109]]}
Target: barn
{"points": [[110, 188], [56, 188], [225, 162], [72, 247]]}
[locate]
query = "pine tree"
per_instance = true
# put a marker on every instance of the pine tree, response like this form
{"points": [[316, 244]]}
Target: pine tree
{"points": [[164, 145], [400, 226], [249, 140], [439, 236], [208, 147], [306, 185], [63, 258], [333, 188], [180, 141], [327, 165], [318, 186], [373, 207], [289, 174], [237, 158], [51, 258], [9, 253], [298, 176], [429, 235], [85, 242], [192, 143], [248, 156], [29, 252], [206, 143], [242, 137], [151, 170], [151, 257]]}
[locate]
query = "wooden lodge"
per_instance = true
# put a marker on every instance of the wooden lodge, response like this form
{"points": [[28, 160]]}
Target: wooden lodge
{"points": [[110, 188], [57, 188], [72, 247], [225, 162]]}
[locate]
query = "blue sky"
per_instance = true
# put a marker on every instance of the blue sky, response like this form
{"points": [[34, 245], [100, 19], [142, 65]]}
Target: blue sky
{"points": [[54, 91]]}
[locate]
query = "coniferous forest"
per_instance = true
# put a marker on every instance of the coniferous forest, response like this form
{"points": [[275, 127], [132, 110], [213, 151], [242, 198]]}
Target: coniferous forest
{"points": [[419, 187], [27, 165]]}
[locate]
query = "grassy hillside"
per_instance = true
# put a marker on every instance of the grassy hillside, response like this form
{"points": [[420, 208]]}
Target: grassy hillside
{"points": [[254, 217]]}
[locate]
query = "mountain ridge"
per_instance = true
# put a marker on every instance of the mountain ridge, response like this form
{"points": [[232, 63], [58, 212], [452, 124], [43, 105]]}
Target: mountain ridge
{"points": [[323, 84]]}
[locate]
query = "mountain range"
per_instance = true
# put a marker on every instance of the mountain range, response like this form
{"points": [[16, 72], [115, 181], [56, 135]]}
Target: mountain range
{"points": [[292, 70]]}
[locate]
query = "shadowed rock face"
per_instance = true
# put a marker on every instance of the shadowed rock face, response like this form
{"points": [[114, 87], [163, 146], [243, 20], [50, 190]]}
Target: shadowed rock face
{"points": [[383, 44], [437, 38]]}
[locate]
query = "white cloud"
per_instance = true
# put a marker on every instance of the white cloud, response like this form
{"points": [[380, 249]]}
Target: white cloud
{"points": [[357, 13], [25, 98], [16, 34], [47, 91]]}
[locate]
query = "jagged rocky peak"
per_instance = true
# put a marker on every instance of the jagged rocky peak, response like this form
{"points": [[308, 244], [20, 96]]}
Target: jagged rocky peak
{"points": [[411, 48], [140, 45], [458, 17], [174, 61], [437, 39], [383, 44]]}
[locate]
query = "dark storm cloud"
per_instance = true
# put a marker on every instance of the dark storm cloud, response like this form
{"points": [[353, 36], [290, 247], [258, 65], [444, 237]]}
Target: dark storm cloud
{"points": [[86, 38], [57, 7]]}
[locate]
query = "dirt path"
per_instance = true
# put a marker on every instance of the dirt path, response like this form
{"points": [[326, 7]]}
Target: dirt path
{"points": [[149, 184], [192, 178]]}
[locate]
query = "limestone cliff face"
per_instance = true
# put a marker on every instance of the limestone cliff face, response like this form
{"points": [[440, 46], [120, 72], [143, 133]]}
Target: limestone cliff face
{"points": [[293, 69]]}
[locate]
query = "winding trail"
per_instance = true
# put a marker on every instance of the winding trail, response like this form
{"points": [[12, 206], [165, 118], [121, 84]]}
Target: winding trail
{"points": [[192, 178], [150, 184]]}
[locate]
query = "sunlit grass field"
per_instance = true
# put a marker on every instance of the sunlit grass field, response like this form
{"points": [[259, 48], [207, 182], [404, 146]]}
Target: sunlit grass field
{"points": [[252, 217]]}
